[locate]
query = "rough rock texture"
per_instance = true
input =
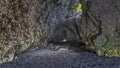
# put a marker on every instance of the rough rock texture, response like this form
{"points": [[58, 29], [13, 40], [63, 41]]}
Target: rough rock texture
{"points": [[16, 32], [61, 59], [67, 29], [98, 27], [25, 22]]}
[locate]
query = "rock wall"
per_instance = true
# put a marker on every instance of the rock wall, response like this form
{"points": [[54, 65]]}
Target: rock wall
{"points": [[100, 26], [23, 23], [29, 23]]}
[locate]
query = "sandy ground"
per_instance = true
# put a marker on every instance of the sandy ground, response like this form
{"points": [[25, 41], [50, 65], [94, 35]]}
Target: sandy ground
{"points": [[45, 58]]}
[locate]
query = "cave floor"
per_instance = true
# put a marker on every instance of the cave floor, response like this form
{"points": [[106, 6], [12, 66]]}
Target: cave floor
{"points": [[45, 58]]}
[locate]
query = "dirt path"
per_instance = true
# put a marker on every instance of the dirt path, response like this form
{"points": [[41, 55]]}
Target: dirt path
{"points": [[45, 58]]}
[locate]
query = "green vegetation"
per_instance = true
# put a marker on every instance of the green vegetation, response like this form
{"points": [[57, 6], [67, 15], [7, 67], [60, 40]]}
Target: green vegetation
{"points": [[109, 52], [107, 46], [78, 8]]}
